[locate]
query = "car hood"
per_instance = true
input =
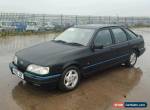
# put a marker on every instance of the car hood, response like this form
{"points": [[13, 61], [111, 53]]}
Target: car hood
{"points": [[46, 53]]}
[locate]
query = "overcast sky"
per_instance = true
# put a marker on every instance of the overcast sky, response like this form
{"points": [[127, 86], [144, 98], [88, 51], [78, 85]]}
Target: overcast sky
{"points": [[79, 7]]}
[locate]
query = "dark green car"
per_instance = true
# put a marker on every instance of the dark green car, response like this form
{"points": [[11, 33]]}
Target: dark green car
{"points": [[78, 51]]}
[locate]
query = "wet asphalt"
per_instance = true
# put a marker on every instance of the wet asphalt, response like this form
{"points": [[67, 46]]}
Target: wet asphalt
{"points": [[96, 92]]}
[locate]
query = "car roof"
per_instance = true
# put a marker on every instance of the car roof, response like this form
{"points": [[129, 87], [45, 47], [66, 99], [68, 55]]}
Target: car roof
{"points": [[97, 26]]}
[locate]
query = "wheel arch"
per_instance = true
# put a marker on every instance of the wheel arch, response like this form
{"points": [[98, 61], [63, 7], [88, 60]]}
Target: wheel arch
{"points": [[74, 63], [137, 51], [61, 82]]}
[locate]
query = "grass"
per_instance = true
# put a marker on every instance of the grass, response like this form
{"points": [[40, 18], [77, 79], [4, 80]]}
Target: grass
{"points": [[140, 26], [14, 33]]}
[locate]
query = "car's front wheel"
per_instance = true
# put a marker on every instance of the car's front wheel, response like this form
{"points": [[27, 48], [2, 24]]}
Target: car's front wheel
{"points": [[132, 59], [70, 79]]}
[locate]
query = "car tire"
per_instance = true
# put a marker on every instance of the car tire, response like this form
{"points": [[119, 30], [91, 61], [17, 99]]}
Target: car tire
{"points": [[132, 59], [70, 79]]}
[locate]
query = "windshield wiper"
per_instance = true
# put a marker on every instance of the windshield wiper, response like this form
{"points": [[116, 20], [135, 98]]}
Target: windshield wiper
{"points": [[61, 41], [73, 43]]}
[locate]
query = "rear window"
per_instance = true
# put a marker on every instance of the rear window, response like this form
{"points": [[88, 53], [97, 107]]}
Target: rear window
{"points": [[119, 35], [131, 34]]}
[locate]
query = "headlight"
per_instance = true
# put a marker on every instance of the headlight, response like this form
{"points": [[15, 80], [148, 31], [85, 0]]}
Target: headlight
{"points": [[15, 60], [38, 69]]}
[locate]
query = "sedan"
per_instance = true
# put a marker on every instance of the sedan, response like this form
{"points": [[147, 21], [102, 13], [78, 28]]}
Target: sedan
{"points": [[77, 52]]}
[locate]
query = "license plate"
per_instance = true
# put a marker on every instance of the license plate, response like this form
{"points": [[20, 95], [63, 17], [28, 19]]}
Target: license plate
{"points": [[18, 73]]}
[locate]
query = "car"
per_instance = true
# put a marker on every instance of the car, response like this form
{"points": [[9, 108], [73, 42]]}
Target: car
{"points": [[77, 52], [32, 26], [6, 26], [19, 26]]}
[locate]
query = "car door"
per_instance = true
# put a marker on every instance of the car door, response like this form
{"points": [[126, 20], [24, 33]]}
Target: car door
{"points": [[101, 57], [121, 46]]}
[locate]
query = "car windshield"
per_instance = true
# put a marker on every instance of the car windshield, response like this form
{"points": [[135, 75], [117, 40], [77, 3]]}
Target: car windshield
{"points": [[76, 36]]}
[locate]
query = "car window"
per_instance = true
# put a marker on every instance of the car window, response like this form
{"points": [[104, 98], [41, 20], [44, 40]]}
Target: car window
{"points": [[76, 35], [103, 38], [119, 35], [131, 34]]}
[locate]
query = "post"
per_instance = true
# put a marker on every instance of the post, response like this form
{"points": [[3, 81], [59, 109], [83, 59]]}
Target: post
{"points": [[125, 21], [76, 20], [61, 19], [43, 20], [89, 20], [132, 21], [117, 19], [109, 19], [100, 19]]}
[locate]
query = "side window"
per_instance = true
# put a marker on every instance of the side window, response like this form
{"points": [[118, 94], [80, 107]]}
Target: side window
{"points": [[131, 34], [119, 35], [103, 38]]}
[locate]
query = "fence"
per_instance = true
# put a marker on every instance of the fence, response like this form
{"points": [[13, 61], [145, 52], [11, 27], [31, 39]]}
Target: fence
{"points": [[31, 21]]}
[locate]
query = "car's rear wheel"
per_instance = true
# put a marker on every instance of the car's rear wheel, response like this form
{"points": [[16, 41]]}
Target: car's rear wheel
{"points": [[132, 59], [70, 79]]}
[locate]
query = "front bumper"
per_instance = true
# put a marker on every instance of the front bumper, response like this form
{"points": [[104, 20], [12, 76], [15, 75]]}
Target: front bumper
{"points": [[141, 51], [37, 79]]}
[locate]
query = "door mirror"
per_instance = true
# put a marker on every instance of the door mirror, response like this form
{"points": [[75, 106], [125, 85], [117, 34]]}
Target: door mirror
{"points": [[98, 47]]}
